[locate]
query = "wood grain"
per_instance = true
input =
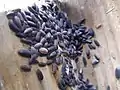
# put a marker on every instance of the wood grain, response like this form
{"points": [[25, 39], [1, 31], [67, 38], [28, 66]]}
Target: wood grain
{"points": [[10, 62], [104, 12]]}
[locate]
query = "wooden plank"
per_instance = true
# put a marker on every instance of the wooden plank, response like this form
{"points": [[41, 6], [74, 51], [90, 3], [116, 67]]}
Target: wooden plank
{"points": [[10, 62], [75, 13], [109, 51], [113, 43], [105, 12]]}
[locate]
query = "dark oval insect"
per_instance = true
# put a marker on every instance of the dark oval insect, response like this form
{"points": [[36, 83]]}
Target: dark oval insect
{"points": [[42, 33], [84, 61], [26, 41], [44, 7], [35, 7], [44, 18], [91, 32], [47, 45], [63, 69], [117, 72], [24, 53], [80, 77], [25, 68], [66, 60], [49, 62], [38, 36], [79, 52], [24, 26], [39, 75], [93, 88], [17, 21], [68, 81], [10, 15], [48, 36], [43, 40], [88, 54], [23, 15], [38, 45], [66, 37], [56, 43], [91, 46], [33, 50], [96, 43], [65, 53], [20, 35], [73, 83], [70, 66], [58, 60], [34, 18], [62, 86], [34, 33], [29, 18], [39, 18], [28, 30], [32, 10], [96, 57], [43, 25], [64, 32], [52, 48], [31, 24], [52, 55], [87, 41], [108, 87], [95, 61], [54, 68], [54, 32], [55, 36], [47, 30], [13, 26], [82, 21], [27, 13], [76, 59], [89, 85], [42, 64], [33, 59], [62, 45], [20, 16], [43, 50]]}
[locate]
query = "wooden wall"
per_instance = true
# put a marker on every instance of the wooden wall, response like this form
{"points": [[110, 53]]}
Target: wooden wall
{"points": [[107, 14], [97, 12]]}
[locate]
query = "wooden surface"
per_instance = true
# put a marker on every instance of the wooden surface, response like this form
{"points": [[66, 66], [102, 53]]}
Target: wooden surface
{"points": [[104, 12], [10, 62], [107, 14]]}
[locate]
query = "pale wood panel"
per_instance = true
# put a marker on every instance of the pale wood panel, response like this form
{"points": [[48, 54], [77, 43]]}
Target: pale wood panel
{"points": [[10, 62], [105, 12]]}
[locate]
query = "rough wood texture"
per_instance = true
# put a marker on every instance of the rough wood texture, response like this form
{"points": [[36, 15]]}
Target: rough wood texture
{"points": [[97, 12], [105, 13], [10, 62]]}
